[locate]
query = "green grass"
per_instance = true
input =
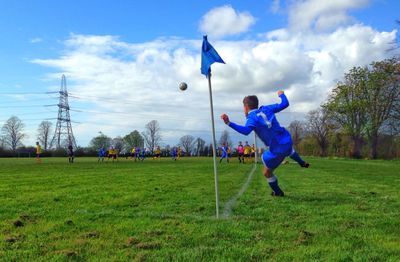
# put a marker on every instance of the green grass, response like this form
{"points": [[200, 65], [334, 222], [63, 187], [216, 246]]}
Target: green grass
{"points": [[338, 210]]}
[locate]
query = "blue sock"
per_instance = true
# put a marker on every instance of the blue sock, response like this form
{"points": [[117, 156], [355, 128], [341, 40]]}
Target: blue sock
{"points": [[273, 183], [297, 158]]}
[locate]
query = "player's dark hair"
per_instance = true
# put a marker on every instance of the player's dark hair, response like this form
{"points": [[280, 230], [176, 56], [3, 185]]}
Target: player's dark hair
{"points": [[251, 101]]}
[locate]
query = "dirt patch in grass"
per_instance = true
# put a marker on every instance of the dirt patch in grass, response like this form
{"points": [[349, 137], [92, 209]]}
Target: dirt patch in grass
{"points": [[18, 223], [11, 240], [68, 253], [149, 246], [304, 237], [93, 234], [131, 241], [69, 222]]}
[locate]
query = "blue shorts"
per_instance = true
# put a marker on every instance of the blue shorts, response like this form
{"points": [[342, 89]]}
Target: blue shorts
{"points": [[273, 160]]}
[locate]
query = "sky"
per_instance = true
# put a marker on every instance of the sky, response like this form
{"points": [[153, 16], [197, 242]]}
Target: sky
{"points": [[124, 60]]}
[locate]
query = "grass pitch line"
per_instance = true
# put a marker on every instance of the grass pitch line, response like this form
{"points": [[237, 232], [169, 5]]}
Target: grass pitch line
{"points": [[232, 201]]}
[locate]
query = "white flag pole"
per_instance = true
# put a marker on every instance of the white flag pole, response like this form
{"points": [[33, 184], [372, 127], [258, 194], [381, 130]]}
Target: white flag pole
{"points": [[214, 149], [256, 149]]}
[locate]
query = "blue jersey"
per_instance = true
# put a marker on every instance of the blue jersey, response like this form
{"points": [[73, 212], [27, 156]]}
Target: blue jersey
{"points": [[102, 152], [267, 127], [224, 150], [174, 152]]}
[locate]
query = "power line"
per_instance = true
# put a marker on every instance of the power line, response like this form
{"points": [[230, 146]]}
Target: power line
{"points": [[22, 106], [28, 93]]}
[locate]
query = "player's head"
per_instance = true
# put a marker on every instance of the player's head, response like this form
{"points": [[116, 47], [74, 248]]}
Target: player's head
{"points": [[247, 142], [250, 103], [37, 143], [240, 142]]}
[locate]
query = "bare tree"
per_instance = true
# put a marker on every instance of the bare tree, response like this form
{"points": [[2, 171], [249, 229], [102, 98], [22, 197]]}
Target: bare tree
{"points": [[151, 135], [12, 132], [187, 143], [318, 127], [200, 143], [225, 139], [44, 133], [296, 129]]}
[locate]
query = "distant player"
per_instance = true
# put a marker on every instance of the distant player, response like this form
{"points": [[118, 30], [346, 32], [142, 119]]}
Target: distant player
{"points": [[38, 152], [70, 154], [102, 154], [240, 152], [224, 153], [174, 153], [112, 153], [263, 121], [253, 152], [143, 154], [133, 152], [179, 152], [157, 153], [137, 154], [247, 151]]}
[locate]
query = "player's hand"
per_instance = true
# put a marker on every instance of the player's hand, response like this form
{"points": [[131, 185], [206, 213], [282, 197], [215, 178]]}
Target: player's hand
{"points": [[225, 117], [280, 92]]}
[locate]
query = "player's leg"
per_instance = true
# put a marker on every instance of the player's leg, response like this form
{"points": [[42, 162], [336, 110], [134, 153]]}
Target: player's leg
{"points": [[271, 162], [296, 157]]}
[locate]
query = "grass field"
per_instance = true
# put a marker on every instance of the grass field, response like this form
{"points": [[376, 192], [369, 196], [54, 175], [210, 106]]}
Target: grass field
{"points": [[338, 210]]}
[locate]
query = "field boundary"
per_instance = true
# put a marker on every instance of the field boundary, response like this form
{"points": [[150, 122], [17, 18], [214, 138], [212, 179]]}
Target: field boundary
{"points": [[227, 212]]}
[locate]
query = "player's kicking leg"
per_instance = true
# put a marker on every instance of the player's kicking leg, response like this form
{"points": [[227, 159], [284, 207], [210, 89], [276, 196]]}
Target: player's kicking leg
{"points": [[296, 157], [271, 162]]}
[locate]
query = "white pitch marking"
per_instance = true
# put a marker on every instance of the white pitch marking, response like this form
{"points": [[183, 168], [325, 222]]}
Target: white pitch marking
{"points": [[232, 201]]}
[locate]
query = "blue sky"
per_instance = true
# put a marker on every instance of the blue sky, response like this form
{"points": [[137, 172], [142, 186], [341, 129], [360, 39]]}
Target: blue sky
{"points": [[40, 30]]}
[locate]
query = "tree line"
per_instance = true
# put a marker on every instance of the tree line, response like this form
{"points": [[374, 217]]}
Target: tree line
{"points": [[360, 119]]}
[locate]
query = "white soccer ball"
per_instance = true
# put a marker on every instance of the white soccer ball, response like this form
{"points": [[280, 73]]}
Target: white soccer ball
{"points": [[183, 86]]}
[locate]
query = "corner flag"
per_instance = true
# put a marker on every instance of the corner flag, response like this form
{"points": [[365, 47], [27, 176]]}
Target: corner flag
{"points": [[208, 57]]}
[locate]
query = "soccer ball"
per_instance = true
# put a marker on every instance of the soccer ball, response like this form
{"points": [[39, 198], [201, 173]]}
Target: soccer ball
{"points": [[183, 86]]}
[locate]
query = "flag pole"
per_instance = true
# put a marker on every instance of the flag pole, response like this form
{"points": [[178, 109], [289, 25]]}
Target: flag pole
{"points": [[214, 148], [256, 149]]}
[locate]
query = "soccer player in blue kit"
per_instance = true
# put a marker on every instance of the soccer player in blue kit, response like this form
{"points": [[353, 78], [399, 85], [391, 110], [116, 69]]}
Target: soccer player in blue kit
{"points": [[224, 153], [263, 121]]}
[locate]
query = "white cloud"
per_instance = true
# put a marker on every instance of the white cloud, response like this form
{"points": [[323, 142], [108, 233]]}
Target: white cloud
{"points": [[275, 6], [36, 40], [322, 15], [225, 21]]}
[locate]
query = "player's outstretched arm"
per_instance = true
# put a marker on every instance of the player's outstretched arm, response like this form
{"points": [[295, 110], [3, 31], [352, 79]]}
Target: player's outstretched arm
{"points": [[283, 104], [244, 130]]}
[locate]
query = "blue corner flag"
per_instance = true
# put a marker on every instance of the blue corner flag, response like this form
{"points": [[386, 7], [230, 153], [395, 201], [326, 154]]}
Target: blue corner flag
{"points": [[208, 56]]}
